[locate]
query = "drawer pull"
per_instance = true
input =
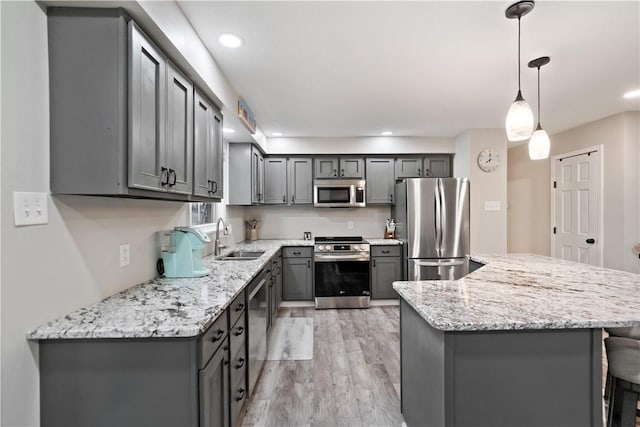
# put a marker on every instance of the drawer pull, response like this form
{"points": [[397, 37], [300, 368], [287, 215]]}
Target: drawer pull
{"points": [[239, 331], [218, 335], [240, 395], [240, 307], [240, 363], [385, 252], [297, 253]]}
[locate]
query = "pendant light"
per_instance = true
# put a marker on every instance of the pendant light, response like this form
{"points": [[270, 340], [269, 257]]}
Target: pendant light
{"points": [[539, 143], [519, 123]]}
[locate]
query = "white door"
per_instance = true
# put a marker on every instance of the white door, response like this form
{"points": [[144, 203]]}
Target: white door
{"points": [[577, 208]]}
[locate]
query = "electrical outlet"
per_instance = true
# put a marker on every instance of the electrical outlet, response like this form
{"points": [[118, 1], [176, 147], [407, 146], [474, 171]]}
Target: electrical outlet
{"points": [[124, 255], [228, 230], [350, 225], [30, 208]]}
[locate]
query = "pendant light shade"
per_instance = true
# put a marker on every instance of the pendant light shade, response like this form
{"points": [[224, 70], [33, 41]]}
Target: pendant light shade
{"points": [[519, 122], [539, 144]]}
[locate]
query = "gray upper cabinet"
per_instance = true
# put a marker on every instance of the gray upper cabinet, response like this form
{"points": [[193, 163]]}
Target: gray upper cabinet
{"points": [[121, 115], [179, 131], [326, 167], [437, 166], [207, 151], [246, 174], [380, 181], [275, 180], [351, 167], [409, 167], [300, 181]]}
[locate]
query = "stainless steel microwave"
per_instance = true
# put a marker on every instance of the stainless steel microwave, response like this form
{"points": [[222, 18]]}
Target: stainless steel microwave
{"points": [[338, 193]]}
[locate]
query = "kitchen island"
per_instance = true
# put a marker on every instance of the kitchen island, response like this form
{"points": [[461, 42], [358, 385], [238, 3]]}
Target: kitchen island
{"points": [[516, 342]]}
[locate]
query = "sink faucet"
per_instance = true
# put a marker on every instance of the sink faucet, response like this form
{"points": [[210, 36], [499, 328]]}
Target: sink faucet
{"points": [[217, 246]]}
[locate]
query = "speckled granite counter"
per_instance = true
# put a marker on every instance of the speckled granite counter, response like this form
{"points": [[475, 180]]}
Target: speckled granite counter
{"points": [[525, 291], [166, 307], [383, 242], [169, 307]]}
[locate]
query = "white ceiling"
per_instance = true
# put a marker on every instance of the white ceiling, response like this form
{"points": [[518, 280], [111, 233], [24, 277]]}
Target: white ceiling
{"points": [[331, 69]]}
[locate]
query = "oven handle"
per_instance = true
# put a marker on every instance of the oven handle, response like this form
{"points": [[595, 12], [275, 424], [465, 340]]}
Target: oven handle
{"points": [[333, 258]]}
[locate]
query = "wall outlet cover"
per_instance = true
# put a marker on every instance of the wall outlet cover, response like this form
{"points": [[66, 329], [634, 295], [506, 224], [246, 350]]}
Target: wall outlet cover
{"points": [[124, 255], [493, 205], [30, 208]]}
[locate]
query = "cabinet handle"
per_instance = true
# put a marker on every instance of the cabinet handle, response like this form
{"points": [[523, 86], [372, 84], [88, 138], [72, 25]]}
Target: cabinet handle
{"points": [[164, 176], [385, 252], [226, 359], [308, 263], [342, 172], [240, 395], [296, 253], [214, 187], [278, 272], [335, 172], [427, 172], [172, 173], [240, 363], [293, 199], [218, 335], [591, 241], [239, 331], [374, 263], [240, 307], [391, 197], [419, 171], [284, 199]]}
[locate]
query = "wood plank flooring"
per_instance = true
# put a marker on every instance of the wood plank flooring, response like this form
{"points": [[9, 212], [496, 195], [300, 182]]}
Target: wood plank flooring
{"points": [[353, 379]]}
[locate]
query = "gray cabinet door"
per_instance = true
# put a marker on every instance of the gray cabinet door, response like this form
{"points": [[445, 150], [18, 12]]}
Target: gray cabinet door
{"points": [[147, 146], [326, 167], [278, 286], [257, 176], [380, 181], [207, 149], [297, 279], [437, 166], [300, 181], [214, 390], [179, 130], [275, 180], [408, 167], [351, 168], [384, 271]]}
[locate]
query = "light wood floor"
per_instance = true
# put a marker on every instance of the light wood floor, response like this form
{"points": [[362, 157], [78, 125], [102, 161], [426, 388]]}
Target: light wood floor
{"points": [[353, 379]]}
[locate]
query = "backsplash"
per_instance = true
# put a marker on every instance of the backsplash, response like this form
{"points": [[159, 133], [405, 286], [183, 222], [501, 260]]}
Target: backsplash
{"points": [[288, 222]]}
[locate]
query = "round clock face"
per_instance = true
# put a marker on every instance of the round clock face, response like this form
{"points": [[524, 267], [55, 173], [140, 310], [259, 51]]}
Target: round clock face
{"points": [[488, 160]]}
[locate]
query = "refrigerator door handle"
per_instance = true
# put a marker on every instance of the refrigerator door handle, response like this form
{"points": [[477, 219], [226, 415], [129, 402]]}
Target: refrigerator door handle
{"points": [[437, 221], [439, 263]]}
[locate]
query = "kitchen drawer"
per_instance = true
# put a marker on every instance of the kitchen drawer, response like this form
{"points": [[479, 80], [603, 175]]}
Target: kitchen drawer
{"points": [[238, 398], [237, 308], [298, 252], [386, 250], [212, 338], [238, 334]]}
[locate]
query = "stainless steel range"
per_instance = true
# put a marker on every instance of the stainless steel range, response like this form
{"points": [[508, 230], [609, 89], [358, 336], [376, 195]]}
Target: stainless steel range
{"points": [[342, 272]]}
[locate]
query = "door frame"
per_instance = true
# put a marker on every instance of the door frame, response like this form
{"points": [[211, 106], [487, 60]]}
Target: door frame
{"points": [[600, 209]]}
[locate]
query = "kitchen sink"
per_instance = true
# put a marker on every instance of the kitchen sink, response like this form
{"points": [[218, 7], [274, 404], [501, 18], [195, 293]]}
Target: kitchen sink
{"points": [[241, 255]]}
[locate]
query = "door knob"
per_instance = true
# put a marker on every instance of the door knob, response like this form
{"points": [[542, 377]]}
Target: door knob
{"points": [[591, 241]]}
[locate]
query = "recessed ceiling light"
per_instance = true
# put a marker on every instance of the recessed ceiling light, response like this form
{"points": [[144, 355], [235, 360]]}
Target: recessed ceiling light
{"points": [[228, 130], [276, 133], [230, 40], [632, 94], [387, 133]]}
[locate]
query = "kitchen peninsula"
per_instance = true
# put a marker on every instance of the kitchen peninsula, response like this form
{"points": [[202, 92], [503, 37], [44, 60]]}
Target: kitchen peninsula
{"points": [[516, 342]]}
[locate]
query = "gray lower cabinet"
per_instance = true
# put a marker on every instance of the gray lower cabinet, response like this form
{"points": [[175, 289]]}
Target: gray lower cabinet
{"points": [[148, 382], [207, 150], [278, 285], [246, 175], [275, 180], [380, 181], [325, 167], [121, 114], [297, 274], [386, 267]]}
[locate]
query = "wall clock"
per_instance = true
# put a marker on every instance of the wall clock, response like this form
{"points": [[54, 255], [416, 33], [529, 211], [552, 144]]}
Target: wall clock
{"points": [[488, 160]]}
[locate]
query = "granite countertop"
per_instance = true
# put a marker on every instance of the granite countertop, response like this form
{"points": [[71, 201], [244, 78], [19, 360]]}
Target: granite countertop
{"points": [[526, 291], [169, 307]]}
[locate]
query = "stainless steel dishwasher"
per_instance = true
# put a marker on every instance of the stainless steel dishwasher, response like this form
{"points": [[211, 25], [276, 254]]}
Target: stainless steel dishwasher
{"points": [[258, 317]]}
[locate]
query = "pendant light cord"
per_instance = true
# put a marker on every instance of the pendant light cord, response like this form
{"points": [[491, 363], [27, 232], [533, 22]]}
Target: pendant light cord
{"points": [[538, 96], [519, 16]]}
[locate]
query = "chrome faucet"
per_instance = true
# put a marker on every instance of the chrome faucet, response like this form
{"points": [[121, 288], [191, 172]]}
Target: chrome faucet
{"points": [[217, 246]]}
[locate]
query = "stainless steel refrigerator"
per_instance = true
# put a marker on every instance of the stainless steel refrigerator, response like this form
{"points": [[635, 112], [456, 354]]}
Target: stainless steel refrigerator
{"points": [[432, 217]]}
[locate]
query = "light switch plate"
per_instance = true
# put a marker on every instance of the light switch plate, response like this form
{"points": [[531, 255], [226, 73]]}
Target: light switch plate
{"points": [[30, 208], [493, 205], [124, 255]]}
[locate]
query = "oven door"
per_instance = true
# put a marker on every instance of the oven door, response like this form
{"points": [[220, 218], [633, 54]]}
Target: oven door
{"points": [[335, 278]]}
